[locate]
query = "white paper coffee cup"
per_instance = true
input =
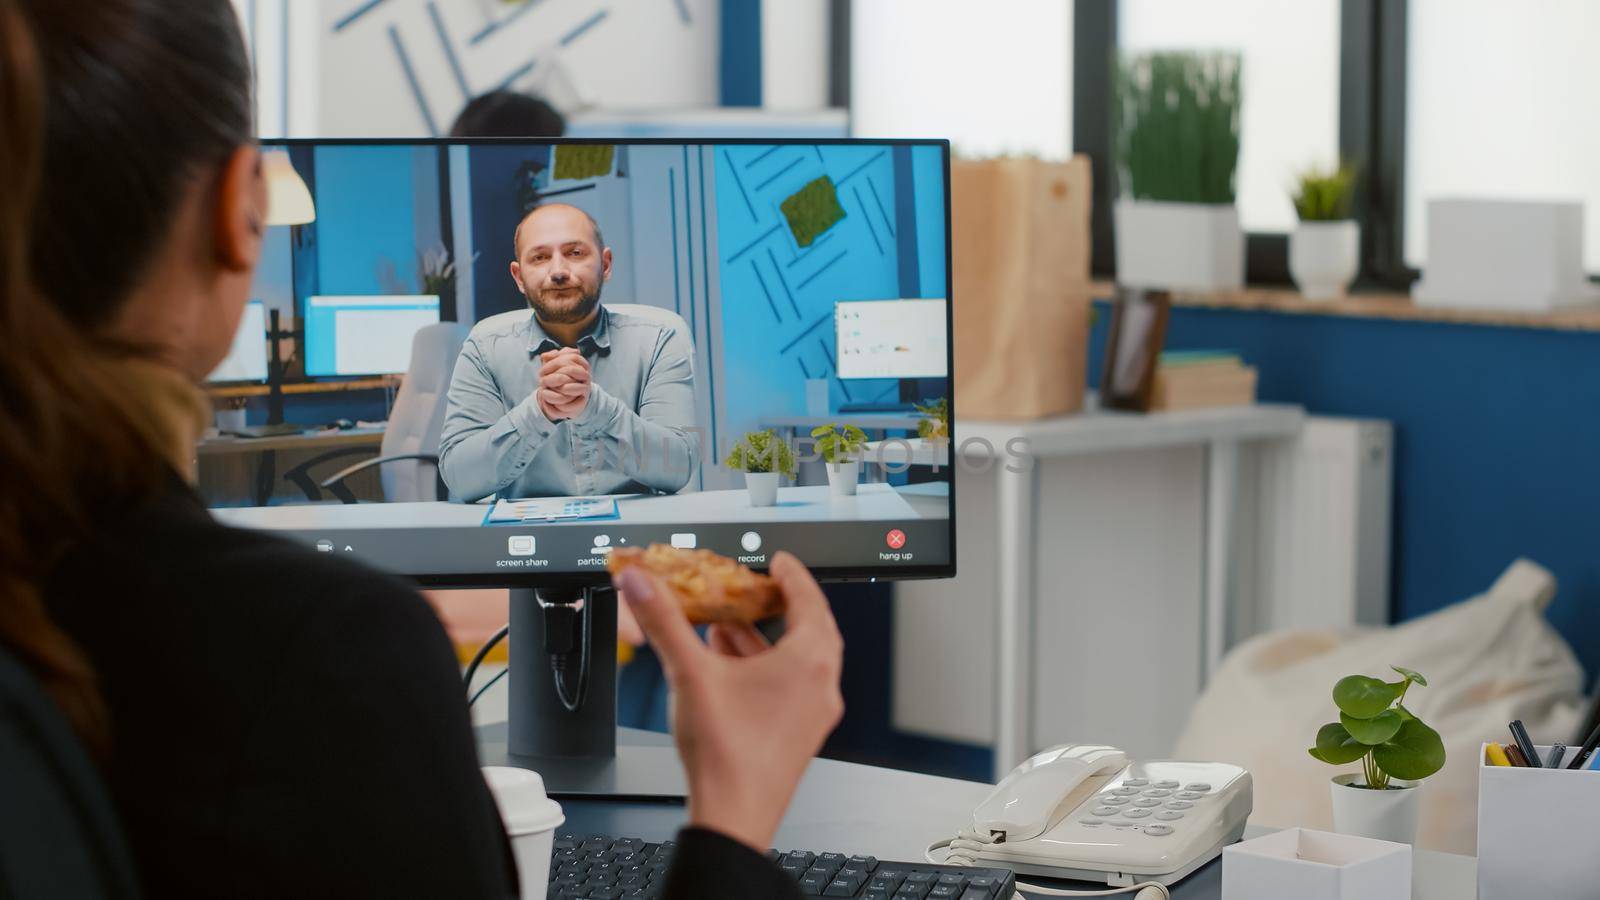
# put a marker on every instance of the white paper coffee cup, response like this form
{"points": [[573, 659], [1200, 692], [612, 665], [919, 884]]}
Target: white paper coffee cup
{"points": [[531, 819]]}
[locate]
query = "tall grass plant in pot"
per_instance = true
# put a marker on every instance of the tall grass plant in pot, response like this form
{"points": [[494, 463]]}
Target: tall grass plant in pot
{"points": [[1325, 248], [1177, 152]]}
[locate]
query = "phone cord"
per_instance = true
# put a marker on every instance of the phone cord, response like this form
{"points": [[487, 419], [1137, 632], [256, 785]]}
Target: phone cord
{"points": [[965, 848]]}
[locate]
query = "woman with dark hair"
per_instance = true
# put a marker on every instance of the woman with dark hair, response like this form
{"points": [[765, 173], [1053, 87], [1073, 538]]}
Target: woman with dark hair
{"points": [[271, 721]]}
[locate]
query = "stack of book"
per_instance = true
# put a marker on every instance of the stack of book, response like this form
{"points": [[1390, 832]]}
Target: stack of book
{"points": [[1196, 379]]}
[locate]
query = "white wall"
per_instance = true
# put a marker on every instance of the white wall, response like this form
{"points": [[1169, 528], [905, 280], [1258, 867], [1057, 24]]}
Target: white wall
{"points": [[638, 54], [1501, 103], [993, 78], [794, 54]]}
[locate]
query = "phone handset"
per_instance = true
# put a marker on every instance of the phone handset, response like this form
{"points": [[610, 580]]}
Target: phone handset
{"points": [[1032, 799]]}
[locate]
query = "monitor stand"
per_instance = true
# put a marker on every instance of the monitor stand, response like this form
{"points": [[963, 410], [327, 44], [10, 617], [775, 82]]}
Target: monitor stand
{"points": [[575, 752]]}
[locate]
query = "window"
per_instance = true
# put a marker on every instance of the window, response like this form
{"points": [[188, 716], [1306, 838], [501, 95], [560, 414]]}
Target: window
{"points": [[1290, 118], [943, 68], [1501, 103]]}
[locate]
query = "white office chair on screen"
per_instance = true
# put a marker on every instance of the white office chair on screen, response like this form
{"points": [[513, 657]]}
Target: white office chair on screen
{"points": [[409, 454]]}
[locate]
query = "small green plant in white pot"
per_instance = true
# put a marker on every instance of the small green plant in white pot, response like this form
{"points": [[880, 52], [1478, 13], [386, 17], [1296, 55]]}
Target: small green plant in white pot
{"points": [[841, 449], [764, 458], [1325, 248], [1396, 751]]}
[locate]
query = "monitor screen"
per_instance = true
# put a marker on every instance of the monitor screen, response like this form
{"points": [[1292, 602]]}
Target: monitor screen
{"points": [[364, 335], [247, 359], [899, 339], [616, 344]]}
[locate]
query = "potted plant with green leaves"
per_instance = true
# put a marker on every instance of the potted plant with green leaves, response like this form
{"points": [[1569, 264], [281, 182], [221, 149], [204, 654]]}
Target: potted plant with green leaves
{"points": [[841, 448], [1177, 152], [1396, 751], [935, 422], [764, 458], [1325, 248]]}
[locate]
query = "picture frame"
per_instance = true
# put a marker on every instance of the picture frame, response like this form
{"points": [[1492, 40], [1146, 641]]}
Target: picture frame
{"points": [[1134, 339]]}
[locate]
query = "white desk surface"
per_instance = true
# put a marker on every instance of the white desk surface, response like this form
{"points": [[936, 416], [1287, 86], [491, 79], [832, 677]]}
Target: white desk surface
{"points": [[895, 815], [872, 502]]}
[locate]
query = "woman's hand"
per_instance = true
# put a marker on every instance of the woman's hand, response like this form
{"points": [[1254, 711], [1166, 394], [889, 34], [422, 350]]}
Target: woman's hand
{"points": [[748, 716]]}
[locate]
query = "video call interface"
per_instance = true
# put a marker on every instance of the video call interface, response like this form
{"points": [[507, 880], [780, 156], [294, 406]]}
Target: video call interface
{"points": [[478, 359]]}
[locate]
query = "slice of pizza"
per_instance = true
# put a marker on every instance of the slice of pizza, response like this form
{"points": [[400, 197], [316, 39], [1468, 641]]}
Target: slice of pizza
{"points": [[711, 588]]}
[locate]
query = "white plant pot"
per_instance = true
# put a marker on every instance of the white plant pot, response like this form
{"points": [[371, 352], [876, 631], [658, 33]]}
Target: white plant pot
{"points": [[1179, 246], [231, 419], [1324, 257], [842, 478], [763, 487], [1382, 815]]}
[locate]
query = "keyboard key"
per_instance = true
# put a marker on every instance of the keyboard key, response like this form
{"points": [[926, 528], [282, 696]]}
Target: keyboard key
{"points": [[813, 885], [974, 894], [887, 883], [840, 888], [863, 862], [804, 857], [833, 861], [595, 844], [982, 883], [850, 871], [873, 893], [793, 868], [912, 892], [944, 892], [605, 893], [818, 872], [927, 878], [630, 844]]}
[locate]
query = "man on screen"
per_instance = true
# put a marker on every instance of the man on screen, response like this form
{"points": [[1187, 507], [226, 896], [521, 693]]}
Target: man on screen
{"points": [[574, 399]]}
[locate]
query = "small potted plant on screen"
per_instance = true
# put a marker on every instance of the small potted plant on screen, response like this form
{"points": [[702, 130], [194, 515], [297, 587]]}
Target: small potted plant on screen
{"points": [[1325, 248], [763, 458], [841, 449], [1395, 749]]}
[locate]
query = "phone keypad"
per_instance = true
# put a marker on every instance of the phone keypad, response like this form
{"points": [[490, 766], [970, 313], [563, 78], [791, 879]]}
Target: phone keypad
{"points": [[1135, 799]]}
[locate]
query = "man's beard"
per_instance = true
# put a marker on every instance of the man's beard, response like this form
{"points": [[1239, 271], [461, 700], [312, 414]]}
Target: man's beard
{"points": [[563, 315]]}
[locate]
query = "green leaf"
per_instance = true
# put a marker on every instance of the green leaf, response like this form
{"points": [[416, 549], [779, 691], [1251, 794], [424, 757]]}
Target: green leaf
{"points": [[1375, 730], [1411, 675], [821, 430], [1361, 697], [1415, 752], [1336, 747]]}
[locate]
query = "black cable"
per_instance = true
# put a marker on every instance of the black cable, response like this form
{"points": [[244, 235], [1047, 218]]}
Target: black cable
{"points": [[477, 658], [489, 684], [561, 662]]}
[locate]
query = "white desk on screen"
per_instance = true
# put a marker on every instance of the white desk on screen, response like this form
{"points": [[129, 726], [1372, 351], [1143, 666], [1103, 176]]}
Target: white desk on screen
{"points": [[873, 502]]}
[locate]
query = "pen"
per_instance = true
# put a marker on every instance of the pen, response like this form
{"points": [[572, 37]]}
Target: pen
{"points": [[1496, 755], [1515, 755], [1520, 735], [1582, 755], [1557, 750]]}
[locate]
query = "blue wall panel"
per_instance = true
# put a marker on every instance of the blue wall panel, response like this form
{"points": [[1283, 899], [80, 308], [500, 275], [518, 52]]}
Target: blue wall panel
{"points": [[777, 298], [365, 215], [1496, 442]]}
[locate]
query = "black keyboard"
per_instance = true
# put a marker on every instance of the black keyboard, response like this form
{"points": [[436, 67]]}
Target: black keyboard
{"points": [[597, 867]]}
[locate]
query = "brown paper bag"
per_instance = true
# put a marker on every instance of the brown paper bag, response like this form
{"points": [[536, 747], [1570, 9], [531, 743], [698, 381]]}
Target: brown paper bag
{"points": [[1021, 272]]}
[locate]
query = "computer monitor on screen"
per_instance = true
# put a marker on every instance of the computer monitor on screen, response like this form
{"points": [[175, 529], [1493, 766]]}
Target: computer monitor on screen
{"points": [[632, 311], [349, 336], [247, 358]]}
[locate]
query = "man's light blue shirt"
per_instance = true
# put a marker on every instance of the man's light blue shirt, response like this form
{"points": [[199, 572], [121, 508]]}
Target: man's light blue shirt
{"points": [[635, 435]]}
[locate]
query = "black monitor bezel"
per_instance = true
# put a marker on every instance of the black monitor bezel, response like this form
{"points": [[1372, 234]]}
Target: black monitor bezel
{"points": [[600, 577]]}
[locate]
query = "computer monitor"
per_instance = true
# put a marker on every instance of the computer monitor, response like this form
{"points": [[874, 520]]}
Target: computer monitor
{"points": [[355, 335], [898, 339], [737, 287], [247, 358]]}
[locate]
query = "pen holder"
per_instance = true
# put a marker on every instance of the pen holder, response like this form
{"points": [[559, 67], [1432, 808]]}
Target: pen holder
{"points": [[1536, 832]]}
